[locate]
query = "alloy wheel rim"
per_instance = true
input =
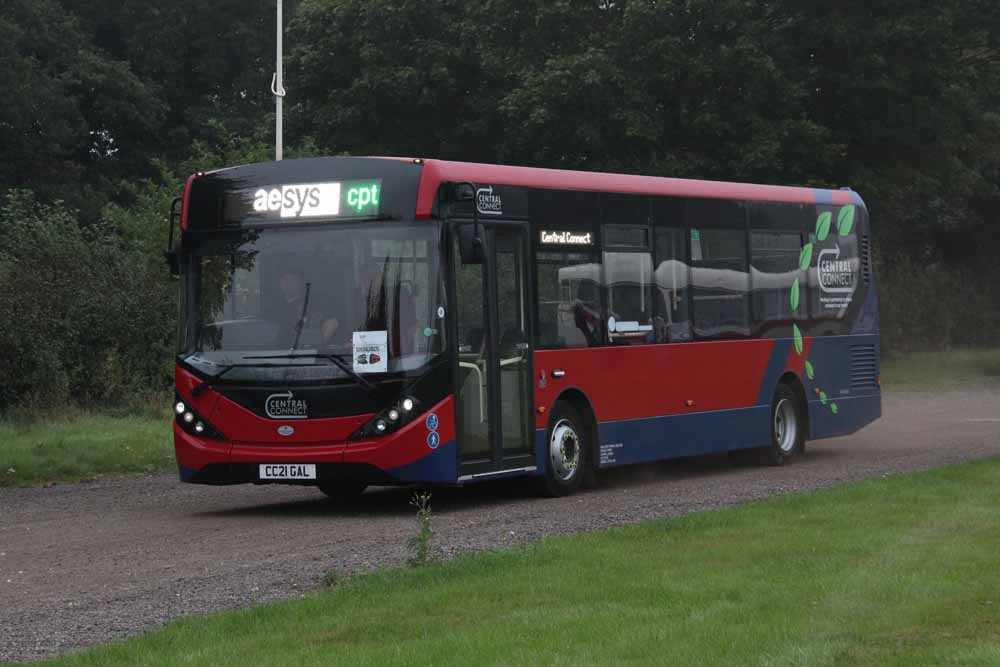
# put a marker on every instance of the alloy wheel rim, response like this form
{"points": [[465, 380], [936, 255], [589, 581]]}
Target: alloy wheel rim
{"points": [[564, 450], [785, 425]]}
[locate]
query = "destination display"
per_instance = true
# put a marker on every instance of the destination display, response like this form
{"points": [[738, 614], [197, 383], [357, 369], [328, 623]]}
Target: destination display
{"points": [[298, 201], [566, 238]]}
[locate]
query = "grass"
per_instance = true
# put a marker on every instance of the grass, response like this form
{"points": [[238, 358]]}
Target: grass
{"points": [[83, 445], [900, 570], [941, 370]]}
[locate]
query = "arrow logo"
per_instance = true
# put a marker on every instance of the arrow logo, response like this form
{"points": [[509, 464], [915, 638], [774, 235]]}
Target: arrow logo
{"points": [[836, 276], [285, 406]]}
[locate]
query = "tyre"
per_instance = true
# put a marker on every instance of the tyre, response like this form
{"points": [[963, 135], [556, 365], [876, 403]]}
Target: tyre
{"points": [[788, 431], [342, 489], [568, 452]]}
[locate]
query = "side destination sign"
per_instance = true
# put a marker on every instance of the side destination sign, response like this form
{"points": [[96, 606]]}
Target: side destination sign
{"points": [[306, 200], [567, 238]]}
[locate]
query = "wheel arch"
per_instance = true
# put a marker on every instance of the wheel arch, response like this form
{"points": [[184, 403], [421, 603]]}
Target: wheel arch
{"points": [[795, 384]]}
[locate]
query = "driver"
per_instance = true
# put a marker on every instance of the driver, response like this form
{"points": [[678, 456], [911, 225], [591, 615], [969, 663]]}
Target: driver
{"points": [[290, 307]]}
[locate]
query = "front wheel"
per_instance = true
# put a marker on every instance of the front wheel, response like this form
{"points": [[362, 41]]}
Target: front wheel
{"points": [[342, 490], [788, 433], [567, 455]]}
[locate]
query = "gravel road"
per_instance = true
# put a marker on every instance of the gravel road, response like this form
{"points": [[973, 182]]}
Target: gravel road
{"points": [[90, 562]]}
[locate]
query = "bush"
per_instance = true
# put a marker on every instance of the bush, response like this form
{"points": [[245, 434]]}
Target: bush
{"points": [[931, 306], [84, 318]]}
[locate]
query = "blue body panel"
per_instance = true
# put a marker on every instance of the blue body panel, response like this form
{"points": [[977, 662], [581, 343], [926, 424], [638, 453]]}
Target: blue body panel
{"points": [[653, 438], [441, 465]]}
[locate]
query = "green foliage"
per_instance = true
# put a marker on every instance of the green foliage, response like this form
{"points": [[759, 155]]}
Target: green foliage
{"points": [[928, 305], [83, 317], [74, 121], [420, 543]]}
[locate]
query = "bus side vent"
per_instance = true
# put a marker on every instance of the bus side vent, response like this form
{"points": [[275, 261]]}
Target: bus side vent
{"points": [[866, 260], [864, 366]]}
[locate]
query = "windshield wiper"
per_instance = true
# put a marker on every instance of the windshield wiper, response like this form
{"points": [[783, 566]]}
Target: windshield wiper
{"points": [[205, 384], [337, 359], [302, 319]]}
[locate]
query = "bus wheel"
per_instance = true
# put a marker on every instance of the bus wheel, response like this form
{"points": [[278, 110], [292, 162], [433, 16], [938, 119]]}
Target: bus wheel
{"points": [[567, 455], [787, 427], [342, 490]]}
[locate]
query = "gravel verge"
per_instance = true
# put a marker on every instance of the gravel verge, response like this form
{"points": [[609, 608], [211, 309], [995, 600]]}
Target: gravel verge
{"points": [[92, 562]]}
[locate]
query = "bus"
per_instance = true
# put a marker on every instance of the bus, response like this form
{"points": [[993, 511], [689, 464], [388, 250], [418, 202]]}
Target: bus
{"points": [[347, 322]]}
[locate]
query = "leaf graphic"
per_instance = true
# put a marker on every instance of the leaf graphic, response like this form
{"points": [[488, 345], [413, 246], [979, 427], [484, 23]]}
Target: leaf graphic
{"points": [[805, 257], [822, 397], [845, 220], [794, 298], [798, 339], [809, 370], [833, 408], [823, 225]]}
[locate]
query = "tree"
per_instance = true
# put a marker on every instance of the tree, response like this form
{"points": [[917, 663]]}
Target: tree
{"points": [[75, 121]]}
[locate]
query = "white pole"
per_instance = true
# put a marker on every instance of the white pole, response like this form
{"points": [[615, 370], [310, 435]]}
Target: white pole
{"points": [[279, 93]]}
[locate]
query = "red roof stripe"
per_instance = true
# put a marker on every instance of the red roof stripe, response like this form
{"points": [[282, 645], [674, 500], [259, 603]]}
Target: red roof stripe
{"points": [[441, 171]]}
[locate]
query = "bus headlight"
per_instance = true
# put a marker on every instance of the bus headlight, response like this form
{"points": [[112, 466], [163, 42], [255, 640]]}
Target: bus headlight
{"points": [[193, 423], [389, 420]]}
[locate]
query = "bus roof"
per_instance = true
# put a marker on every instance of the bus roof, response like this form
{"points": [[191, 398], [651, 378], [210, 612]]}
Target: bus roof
{"points": [[437, 172]]}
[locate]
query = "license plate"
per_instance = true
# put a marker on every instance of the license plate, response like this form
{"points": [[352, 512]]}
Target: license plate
{"points": [[288, 471]]}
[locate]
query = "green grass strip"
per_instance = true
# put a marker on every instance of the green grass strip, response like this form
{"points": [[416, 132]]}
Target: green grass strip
{"points": [[901, 570], [943, 369], [83, 446]]}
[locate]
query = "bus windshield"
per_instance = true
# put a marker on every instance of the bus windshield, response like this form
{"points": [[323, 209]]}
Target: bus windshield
{"points": [[276, 304]]}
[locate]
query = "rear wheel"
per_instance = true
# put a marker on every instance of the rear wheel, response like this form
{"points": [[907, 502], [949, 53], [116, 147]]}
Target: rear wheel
{"points": [[342, 489], [787, 427], [567, 455]]}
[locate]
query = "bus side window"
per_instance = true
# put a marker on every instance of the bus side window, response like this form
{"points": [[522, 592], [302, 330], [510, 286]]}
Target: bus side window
{"points": [[720, 282], [774, 261], [629, 282], [569, 300], [671, 319]]}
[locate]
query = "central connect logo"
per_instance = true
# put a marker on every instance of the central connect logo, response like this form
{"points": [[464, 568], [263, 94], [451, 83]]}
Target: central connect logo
{"points": [[285, 406], [488, 203]]}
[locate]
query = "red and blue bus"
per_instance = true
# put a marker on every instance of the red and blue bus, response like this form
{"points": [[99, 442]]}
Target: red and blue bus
{"points": [[348, 322]]}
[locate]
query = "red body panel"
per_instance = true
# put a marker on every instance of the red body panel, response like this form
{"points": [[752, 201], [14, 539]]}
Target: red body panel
{"points": [[630, 382], [408, 444], [196, 453]]}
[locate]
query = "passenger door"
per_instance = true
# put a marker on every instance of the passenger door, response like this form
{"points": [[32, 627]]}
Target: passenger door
{"points": [[494, 397]]}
